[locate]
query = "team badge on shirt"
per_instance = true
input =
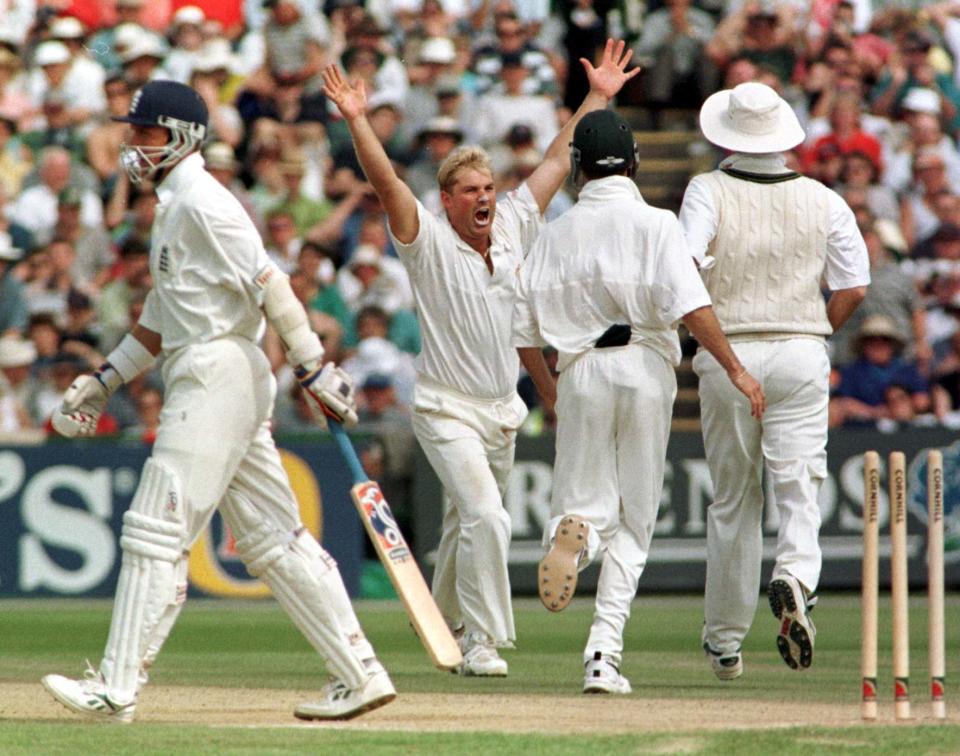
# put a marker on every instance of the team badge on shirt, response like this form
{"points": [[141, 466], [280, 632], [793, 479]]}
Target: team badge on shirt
{"points": [[164, 263]]}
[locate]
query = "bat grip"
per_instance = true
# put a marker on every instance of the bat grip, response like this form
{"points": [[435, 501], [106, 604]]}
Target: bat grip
{"points": [[347, 450]]}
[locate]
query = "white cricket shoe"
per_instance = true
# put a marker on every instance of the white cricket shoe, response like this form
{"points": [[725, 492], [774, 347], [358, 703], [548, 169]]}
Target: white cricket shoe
{"points": [[557, 573], [725, 666], [790, 605], [603, 676], [480, 657], [88, 696], [337, 701]]}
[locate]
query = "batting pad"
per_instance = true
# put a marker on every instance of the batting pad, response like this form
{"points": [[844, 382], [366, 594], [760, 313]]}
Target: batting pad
{"points": [[151, 581], [305, 581]]}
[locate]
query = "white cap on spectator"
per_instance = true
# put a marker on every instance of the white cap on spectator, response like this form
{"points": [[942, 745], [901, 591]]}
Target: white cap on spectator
{"points": [[16, 352], [442, 125], [127, 34], [220, 155], [383, 98], [7, 250], [890, 234], [67, 27], [215, 55], [366, 254], [145, 45], [922, 100], [439, 50], [750, 118], [375, 355], [51, 53], [189, 15]]}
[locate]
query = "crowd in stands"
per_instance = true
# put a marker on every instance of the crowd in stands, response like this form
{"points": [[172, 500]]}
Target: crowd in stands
{"points": [[876, 84]]}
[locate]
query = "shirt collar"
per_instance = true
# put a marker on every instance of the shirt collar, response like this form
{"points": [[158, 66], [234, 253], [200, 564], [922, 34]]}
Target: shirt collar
{"points": [[771, 163], [180, 177], [610, 187]]}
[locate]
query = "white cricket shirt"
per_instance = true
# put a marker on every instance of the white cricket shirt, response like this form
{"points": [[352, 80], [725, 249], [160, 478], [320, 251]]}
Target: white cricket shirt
{"points": [[610, 259], [465, 312], [204, 258], [848, 264]]}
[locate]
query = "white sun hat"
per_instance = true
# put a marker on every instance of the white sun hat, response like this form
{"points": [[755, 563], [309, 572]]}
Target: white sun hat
{"points": [[67, 27], [51, 53], [750, 118]]}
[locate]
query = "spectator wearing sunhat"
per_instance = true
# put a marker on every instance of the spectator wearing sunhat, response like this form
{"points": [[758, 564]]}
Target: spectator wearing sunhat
{"points": [[861, 394], [103, 45], [13, 302], [66, 70], [85, 79], [371, 278], [435, 58], [142, 59], [436, 139], [17, 356], [186, 40]]}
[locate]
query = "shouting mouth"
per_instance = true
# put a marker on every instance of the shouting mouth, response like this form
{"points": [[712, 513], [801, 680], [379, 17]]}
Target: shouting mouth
{"points": [[482, 216]]}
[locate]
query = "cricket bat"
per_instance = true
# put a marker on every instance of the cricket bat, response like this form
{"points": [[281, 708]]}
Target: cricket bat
{"points": [[398, 560]]}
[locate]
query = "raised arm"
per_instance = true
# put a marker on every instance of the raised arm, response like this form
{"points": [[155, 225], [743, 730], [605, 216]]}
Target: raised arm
{"points": [[397, 199], [605, 81]]}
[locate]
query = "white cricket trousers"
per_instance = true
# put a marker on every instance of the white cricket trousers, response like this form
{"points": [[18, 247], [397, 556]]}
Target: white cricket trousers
{"points": [[470, 445], [614, 408], [791, 441], [214, 440]]}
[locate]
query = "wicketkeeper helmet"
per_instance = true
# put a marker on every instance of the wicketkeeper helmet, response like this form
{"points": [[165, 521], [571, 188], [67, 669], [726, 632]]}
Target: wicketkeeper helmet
{"points": [[603, 145], [177, 108]]}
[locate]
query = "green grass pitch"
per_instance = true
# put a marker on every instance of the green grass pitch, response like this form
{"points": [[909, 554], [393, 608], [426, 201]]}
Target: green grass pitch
{"points": [[253, 645]]}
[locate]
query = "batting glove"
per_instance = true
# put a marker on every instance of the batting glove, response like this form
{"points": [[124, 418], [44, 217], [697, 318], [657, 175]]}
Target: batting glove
{"points": [[84, 401], [329, 391]]}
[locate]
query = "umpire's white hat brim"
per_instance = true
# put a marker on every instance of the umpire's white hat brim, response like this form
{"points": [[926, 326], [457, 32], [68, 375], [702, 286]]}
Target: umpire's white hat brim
{"points": [[750, 118]]}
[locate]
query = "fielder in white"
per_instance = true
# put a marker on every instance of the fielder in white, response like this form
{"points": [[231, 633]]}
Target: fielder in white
{"points": [[764, 238], [464, 267], [606, 284], [212, 284]]}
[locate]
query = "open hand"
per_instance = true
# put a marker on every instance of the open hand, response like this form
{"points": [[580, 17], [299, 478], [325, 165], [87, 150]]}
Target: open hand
{"points": [[609, 77], [750, 388], [351, 100]]}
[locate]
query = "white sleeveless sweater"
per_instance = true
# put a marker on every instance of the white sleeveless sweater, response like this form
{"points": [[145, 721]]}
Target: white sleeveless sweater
{"points": [[770, 252]]}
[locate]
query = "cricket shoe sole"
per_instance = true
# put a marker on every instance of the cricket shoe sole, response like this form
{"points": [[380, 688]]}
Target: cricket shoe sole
{"points": [[557, 573], [796, 634]]}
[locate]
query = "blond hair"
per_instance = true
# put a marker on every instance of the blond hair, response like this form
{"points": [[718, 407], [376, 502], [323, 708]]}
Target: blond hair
{"points": [[462, 158]]}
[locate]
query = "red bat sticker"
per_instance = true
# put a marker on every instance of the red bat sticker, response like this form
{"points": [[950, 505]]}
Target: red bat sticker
{"points": [[384, 525]]}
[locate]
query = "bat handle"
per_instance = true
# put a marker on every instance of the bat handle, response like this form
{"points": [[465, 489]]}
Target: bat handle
{"points": [[347, 450]]}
